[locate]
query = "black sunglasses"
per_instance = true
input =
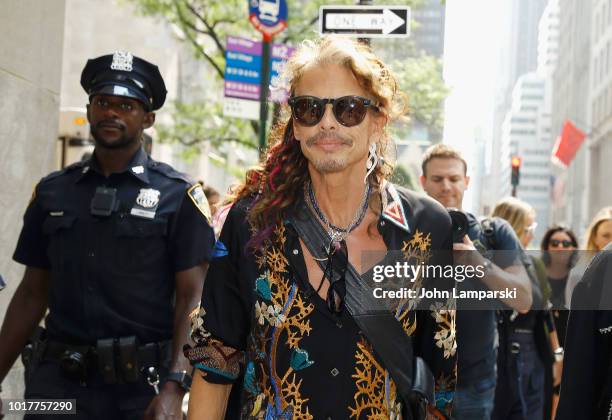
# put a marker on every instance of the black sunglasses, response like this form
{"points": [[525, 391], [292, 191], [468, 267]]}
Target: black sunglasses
{"points": [[564, 243], [337, 262], [348, 110]]}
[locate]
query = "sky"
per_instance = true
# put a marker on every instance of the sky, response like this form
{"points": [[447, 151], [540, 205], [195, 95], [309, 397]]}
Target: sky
{"points": [[471, 57]]}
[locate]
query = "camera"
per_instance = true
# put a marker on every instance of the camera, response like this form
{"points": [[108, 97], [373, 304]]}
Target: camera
{"points": [[460, 224]]}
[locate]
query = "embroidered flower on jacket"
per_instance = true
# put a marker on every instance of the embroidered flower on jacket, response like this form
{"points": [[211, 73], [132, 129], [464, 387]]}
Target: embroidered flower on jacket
{"points": [[198, 333], [262, 287], [270, 313], [299, 360]]}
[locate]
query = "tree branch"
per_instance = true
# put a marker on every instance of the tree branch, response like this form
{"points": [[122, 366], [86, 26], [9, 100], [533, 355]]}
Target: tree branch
{"points": [[217, 22], [195, 29], [211, 30], [184, 23]]}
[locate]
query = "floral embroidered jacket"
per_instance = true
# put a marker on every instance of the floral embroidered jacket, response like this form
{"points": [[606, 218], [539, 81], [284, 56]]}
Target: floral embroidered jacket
{"points": [[260, 325]]}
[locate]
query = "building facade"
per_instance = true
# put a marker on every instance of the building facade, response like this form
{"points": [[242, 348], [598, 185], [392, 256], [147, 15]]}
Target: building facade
{"points": [[31, 36], [526, 134], [429, 33], [571, 86], [599, 141], [518, 56]]}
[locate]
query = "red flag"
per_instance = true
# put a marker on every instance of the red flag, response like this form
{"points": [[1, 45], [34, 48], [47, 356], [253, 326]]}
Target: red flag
{"points": [[567, 144]]}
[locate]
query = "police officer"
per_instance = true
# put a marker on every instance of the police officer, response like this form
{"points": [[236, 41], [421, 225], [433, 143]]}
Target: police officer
{"points": [[116, 248]]}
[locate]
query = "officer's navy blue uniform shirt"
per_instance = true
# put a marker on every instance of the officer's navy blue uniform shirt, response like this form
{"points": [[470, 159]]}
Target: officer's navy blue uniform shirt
{"points": [[113, 276]]}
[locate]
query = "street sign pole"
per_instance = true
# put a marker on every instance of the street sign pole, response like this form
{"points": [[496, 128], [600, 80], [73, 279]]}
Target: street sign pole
{"points": [[263, 94], [364, 3], [269, 18]]}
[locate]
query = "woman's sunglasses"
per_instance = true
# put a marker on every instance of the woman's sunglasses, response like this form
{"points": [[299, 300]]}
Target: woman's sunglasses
{"points": [[564, 244], [348, 110]]}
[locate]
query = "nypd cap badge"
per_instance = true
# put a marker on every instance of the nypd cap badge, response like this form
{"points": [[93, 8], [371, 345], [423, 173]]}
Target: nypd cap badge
{"points": [[122, 61]]}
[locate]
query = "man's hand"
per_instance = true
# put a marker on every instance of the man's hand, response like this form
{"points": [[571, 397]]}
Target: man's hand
{"points": [[497, 278], [467, 255], [168, 404]]}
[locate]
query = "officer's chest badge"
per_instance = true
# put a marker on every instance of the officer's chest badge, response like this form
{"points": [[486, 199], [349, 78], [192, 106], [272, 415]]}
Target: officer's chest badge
{"points": [[146, 203], [122, 61]]}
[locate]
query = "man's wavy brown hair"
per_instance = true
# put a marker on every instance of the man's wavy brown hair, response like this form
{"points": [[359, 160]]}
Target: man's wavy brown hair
{"points": [[277, 183]]}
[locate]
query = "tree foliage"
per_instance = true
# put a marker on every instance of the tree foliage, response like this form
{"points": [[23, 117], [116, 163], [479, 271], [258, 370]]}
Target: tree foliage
{"points": [[421, 78], [203, 122], [403, 176]]}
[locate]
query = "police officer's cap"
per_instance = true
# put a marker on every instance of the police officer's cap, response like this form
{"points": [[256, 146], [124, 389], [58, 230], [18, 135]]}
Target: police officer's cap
{"points": [[122, 74]]}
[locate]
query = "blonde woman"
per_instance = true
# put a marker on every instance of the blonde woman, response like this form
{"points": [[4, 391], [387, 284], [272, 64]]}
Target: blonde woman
{"points": [[520, 215], [524, 361], [598, 235]]}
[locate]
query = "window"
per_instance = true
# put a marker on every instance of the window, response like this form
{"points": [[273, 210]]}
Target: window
{"points": [[523, 120], [541, 177], [532, 152], [535, 164], [601, 64], [607, 57], [532, 97], [533, 85], [518, 132]]}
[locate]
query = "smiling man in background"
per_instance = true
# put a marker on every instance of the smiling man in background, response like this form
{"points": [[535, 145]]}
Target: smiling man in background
{"points": [[445, 178]]}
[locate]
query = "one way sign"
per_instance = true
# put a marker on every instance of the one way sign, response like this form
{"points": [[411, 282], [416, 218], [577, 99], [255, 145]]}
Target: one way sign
{"points": [[365, 21]]}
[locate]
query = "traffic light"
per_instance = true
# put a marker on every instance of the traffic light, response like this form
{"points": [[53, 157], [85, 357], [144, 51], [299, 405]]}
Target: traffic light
{"points": [[516, 168]]}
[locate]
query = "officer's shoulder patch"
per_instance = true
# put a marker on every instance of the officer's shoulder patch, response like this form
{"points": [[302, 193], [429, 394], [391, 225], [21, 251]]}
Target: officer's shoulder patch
{"points": [[196, 193]]}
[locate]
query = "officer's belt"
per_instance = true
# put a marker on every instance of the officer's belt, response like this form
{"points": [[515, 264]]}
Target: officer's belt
{"points": [[150, 354]]}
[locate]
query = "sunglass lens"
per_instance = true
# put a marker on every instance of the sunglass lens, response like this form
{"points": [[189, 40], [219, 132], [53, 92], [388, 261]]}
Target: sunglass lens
{"points": [[308, 111], [564, 244], [349, 111]]}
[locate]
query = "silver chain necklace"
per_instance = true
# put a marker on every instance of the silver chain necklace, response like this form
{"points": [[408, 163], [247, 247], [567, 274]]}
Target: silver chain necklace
{"points": [[337, 234]]}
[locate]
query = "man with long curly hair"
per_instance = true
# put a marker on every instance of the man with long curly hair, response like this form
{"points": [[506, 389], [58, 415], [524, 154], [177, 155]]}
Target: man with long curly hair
{"points": [[278, 316]]}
